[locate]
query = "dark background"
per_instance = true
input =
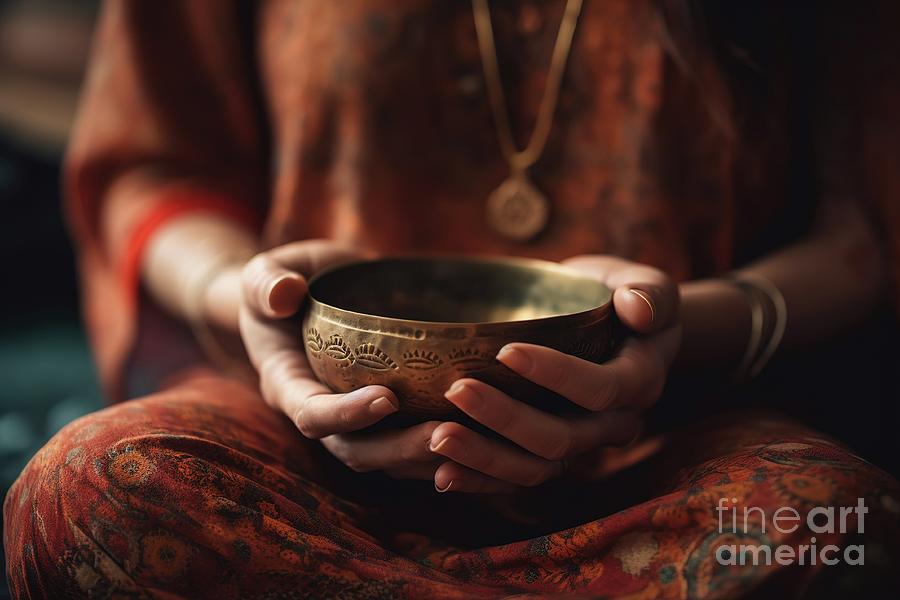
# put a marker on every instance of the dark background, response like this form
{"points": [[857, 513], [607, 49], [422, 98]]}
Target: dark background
{"points": [[46, 373], [849, 389]]}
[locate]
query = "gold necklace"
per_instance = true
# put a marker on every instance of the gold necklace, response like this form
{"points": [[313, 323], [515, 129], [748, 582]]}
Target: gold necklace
{"points": [[517, 209]]}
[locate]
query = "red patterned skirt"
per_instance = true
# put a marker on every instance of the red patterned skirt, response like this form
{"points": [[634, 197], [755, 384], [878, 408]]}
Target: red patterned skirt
{"points": [[204, 491]]}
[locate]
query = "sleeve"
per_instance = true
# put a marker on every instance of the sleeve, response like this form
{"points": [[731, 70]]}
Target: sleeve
{"points": [[170, 122], [859, 117]]}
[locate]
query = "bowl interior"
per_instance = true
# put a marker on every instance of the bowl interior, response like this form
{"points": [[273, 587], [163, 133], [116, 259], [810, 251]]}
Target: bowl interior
{"points": [[458, 290]]}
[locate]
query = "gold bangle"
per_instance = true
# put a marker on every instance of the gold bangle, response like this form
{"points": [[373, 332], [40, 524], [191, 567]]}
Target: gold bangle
{"points": [[760, 352], [775, 296], [757, 318]]}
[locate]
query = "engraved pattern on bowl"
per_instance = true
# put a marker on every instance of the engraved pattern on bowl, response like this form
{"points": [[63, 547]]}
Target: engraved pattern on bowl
{"points": [[419, 359]]}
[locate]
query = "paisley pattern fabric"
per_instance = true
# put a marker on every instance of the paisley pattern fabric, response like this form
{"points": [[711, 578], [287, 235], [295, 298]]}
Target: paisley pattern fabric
{"points": [[202, 491]]}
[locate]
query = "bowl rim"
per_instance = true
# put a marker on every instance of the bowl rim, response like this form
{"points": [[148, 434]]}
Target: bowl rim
{"points": [[599, 311]]}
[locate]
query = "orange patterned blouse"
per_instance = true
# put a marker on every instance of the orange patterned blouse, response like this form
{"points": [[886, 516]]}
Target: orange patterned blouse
{"points": [[368, 121]]}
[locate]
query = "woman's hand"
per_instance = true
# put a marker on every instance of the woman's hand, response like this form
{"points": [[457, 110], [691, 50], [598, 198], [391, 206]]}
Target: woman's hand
{"points": [[615, 392], [274, 286]]}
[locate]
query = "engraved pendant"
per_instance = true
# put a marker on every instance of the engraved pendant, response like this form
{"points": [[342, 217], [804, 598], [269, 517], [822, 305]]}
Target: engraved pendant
{"points": [[517, 210]]}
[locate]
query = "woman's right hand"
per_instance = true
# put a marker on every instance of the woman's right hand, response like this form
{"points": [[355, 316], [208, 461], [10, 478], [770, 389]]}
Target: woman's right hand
{"points": [[274, 286]]}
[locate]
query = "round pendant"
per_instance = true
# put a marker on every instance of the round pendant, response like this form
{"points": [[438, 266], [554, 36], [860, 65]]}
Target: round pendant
{"points": [[517, 210]]}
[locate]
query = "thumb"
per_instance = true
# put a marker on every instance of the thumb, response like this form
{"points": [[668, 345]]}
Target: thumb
{"points": [[271, 290], [636, 308], [645, 299]]}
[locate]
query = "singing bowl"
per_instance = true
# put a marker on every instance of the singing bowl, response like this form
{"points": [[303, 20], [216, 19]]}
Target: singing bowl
{"points": [[416, 325]]}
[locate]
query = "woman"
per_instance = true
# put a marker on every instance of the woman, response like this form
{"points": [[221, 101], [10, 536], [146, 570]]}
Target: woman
{"points": [[225, 152]]}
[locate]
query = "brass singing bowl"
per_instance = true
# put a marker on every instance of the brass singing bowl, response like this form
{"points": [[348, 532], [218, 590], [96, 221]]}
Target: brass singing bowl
{"points": [[416, 325]]}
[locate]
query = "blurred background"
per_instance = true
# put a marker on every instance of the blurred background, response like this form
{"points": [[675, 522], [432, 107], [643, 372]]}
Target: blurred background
{"points": [[45, 364]]}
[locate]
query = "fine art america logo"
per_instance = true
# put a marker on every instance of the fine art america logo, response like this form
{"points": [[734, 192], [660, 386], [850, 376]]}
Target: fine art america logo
{"points": [[786, 520]]}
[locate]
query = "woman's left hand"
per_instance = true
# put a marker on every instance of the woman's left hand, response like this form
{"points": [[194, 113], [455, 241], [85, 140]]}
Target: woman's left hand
{"points": [[616, 392]]}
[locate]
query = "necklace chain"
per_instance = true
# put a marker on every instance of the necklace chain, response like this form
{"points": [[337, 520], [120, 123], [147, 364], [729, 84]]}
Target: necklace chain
{"points": [[521, 160]]}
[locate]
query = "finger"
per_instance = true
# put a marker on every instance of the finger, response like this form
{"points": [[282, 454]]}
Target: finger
{"points": [[274, 347], [545, 435], [270, 289], [389, 450], [636, 308], [490, 457], [646, 308], [629, 380], [288, 383], [645, 298], [274, 282], [452, 477], [321, 415]]}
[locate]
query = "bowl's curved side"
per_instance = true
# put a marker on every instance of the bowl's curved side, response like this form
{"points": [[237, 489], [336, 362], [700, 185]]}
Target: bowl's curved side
{"points": [[420, 362]]}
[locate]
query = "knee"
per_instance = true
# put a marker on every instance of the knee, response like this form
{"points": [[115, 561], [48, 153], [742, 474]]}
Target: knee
{"points": [[796, 504], [59, 514], [805, 491], [119, 499]]}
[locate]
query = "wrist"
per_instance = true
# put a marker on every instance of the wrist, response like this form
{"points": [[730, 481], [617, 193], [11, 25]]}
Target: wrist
{"points": [[717, 322], [222, 296]]}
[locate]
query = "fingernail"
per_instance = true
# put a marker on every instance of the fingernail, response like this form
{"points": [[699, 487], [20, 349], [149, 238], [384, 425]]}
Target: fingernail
{"points": [[435, 447], [515, 359], [646, 298], [444, 489], [452, 448], [280, 301], [382, 406], [465, 396], [457, 385]]}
